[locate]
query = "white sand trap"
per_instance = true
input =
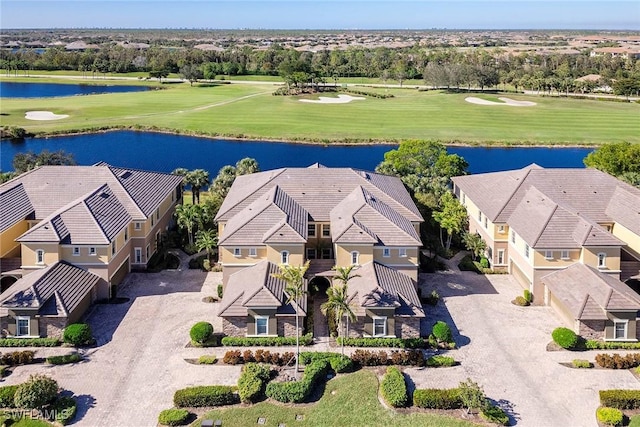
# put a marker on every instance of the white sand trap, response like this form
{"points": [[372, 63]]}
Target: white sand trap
{"points": [[341, 99], [44, 115], [505, 101]]}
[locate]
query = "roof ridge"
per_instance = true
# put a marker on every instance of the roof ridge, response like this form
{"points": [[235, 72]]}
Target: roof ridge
{"points": [[544, 227], [508, 199], [274, 176], [251, 218], [58, 298], [583, 305], [135, 203]]}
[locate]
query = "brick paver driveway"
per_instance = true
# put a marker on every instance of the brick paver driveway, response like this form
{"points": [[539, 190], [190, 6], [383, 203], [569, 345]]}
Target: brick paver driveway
{"points": [[503, 348]]}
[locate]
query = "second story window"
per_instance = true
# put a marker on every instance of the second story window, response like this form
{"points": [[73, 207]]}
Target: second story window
{"points": [[386, 252], [501, 229], [513, 236], [237, 252], [92, 251], [564, 254], [548, 254], [485, 222], [402, 253], [311, 230], [355, 257], [113, 248], [326, 230], [526, 250], [126, 234], [311, 253], [137, 225], [76, 251], [602, 260], [284, 257], [253, 252], [39, 256], [479, 216]]}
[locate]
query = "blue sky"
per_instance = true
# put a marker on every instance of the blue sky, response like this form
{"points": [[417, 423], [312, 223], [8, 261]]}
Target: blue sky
{"points": [[328, 14]]}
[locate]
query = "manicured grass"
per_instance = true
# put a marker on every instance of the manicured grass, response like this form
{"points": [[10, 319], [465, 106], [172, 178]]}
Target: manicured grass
{"points": [[249, 110], [349, 400]]}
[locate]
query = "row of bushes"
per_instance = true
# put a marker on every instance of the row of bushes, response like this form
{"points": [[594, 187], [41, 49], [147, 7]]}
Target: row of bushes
{"points": [[616, 361], [365, 93], [611, 345], [383, 342], [17, 358], [235, 357], [569, 340], [266, 341], [377, 358], [298, 391], [452, 398], [29, 342], [394, 388], [620, 399], [338, 362], [209, 395], [252, 382]]}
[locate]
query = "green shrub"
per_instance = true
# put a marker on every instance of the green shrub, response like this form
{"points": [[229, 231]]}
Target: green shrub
{"points": [[564, 337], [29, 342], [442, 332], [471, 395], [394, 388], [435, 398], [437, 361], [78, 334], [207, 359], [7, 395], [528, 296], [298, 391], [65, 408], [484, 262], [382, 342], [609, 416], [581, 363], [220, 289], [339, 363], [64, 359], [173, 417], [370, 358], [17, 358], [208, 395], [611, 345], [407, 357], [521, 301], [38, 391], [494, 414], [616, 361], [620, 399], [201, 332], [634, 421], [266, 341], [252, 382]]}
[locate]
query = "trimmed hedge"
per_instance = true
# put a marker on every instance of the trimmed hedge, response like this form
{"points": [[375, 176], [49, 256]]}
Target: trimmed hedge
{"points": [[201, 332], [173, 417], [234, 357], [65, 409], [580, 363], [394, 388], [298, 391], [437, 361], [339, 363], [564, 337], [620, 399], [207, 359], [63, 360], [495, 414], [377, 358], [382, 342], [442, 331], [17, 358], [252, 382], [436, 398], [208, 395], [7, 395], [611, 345], [615, 361], [78, 334], [29, 342], [610, 416], [266, 341]]}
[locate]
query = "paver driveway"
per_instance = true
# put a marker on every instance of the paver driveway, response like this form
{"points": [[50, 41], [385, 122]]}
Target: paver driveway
{"points": [[504, 350]]}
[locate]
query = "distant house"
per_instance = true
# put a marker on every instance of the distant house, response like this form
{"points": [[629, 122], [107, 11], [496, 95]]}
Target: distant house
{"points": [[330, 217], [616, 52]]}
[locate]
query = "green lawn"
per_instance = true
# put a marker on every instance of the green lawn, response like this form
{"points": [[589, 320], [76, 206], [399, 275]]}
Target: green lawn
{"points": [[348, 400], [251, 111]]}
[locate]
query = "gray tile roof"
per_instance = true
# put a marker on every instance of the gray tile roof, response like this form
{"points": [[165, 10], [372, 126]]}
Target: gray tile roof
{"points": [[588, 293], [255, 287], [54, 290], [15, 205], [380, 286]]}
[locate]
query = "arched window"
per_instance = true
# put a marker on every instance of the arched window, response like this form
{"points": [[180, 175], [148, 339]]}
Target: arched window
{"points": [[39, 256], [355, 257], [284, 257]]}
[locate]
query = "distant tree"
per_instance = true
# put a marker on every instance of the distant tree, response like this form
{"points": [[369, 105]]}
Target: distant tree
{"points": [[6, 176], [451, 216], [191, 72], [197, 179], [23, 162], [159, 74], [627, 86], [621, 159], [211, 70], [183, 173]]}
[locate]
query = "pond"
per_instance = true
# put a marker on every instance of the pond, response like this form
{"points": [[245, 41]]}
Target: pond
{"points": [[49, 90], [165, 152]]}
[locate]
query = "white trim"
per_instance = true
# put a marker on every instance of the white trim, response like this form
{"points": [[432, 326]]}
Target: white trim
{"points": [[355, 258], [94, 264], [253, 252], [40, 254], [562, 254], [408, 264], [28, 319], [256, 318], [373, 325], [95, 251], [284, 257], [386, 252], [237, 252], [315, 230], [328, 226], [602, 260], [137, 225], [75, 251], [249, 264], [402, 252], [624, 322], [548, 254]]}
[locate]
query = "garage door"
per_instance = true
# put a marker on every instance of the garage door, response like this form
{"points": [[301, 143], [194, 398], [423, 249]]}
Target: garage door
{"points": [[560, 310], [520, 276]]}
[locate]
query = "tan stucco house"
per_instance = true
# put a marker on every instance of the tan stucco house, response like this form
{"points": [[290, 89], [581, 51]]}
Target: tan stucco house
{"points": [[330, 217], [102, 219]]}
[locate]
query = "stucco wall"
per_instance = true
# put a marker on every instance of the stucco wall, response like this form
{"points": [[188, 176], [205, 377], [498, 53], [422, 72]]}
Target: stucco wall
{"points": [[8, 246]]}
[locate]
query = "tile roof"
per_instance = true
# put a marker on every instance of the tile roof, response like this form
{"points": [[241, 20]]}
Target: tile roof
{"points": [[377, 285], [589, 294], [55, 290], [255, 287], [15, 205]]}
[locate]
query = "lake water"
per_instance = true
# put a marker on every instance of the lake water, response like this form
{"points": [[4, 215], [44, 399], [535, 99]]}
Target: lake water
{"points": [[165, 152], [48, 90]]}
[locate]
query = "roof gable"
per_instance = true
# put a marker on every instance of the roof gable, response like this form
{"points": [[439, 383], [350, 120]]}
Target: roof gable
{"points": [[15, 206]]}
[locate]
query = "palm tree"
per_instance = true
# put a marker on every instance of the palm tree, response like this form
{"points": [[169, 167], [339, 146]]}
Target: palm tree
{"points": [[207, 240], [344, 275], [246, 166], [338, 303], [183, 173], [223, 181], [197, 178], [189, 216], [295, 289]]}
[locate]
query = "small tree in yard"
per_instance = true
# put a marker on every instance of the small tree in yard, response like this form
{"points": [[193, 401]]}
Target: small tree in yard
{"points": [[38, 391], [201, 332], [471, 395], [474, 243]]}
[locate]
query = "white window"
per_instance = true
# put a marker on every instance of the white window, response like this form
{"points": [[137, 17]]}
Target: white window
{"points": [[500, 256], [326, 253], [22, 326], [479, 216], [548, 254], [262, 325], [92, 251], [311, 230], [284, 257], [113, 248], [253, 252], [526, 250], [602, 260], [379, 326], [326, 230], [237, 252], [564, 254], [137, 255], [501, 229], [311, 253], [619, 330], [76, 251], [386, 252], [126, 234], [513, 236], [355, 258], [137, 225], [39, 256], [402, 253], [485, 222]]}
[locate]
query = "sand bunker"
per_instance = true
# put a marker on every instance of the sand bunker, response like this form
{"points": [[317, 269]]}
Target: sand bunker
{"points": [[341, 99], [505, 101], [44, 115]]}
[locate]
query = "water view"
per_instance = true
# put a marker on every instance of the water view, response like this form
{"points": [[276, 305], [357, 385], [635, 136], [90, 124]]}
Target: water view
{"points": [[50, 90], [165, 152]]}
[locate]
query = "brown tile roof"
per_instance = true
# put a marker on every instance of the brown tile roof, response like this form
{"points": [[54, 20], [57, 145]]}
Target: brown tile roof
{"points": [[15, 205], [624, 208], [255, 287], [55, 290], [588, 293], [380, 286]]}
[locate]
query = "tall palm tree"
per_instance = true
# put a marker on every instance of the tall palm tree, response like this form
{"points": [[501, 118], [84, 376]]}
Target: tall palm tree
{"points": [[197, 178], [189, 217], [344, 275], [338, 304], [207, 240], [183, 173], [295, 289], [223, 181], [246, 166]]}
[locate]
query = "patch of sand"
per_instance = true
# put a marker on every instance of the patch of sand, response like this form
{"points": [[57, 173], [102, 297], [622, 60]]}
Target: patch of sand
{"points": [[505, 101], [341, 99], [44, 115]]}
